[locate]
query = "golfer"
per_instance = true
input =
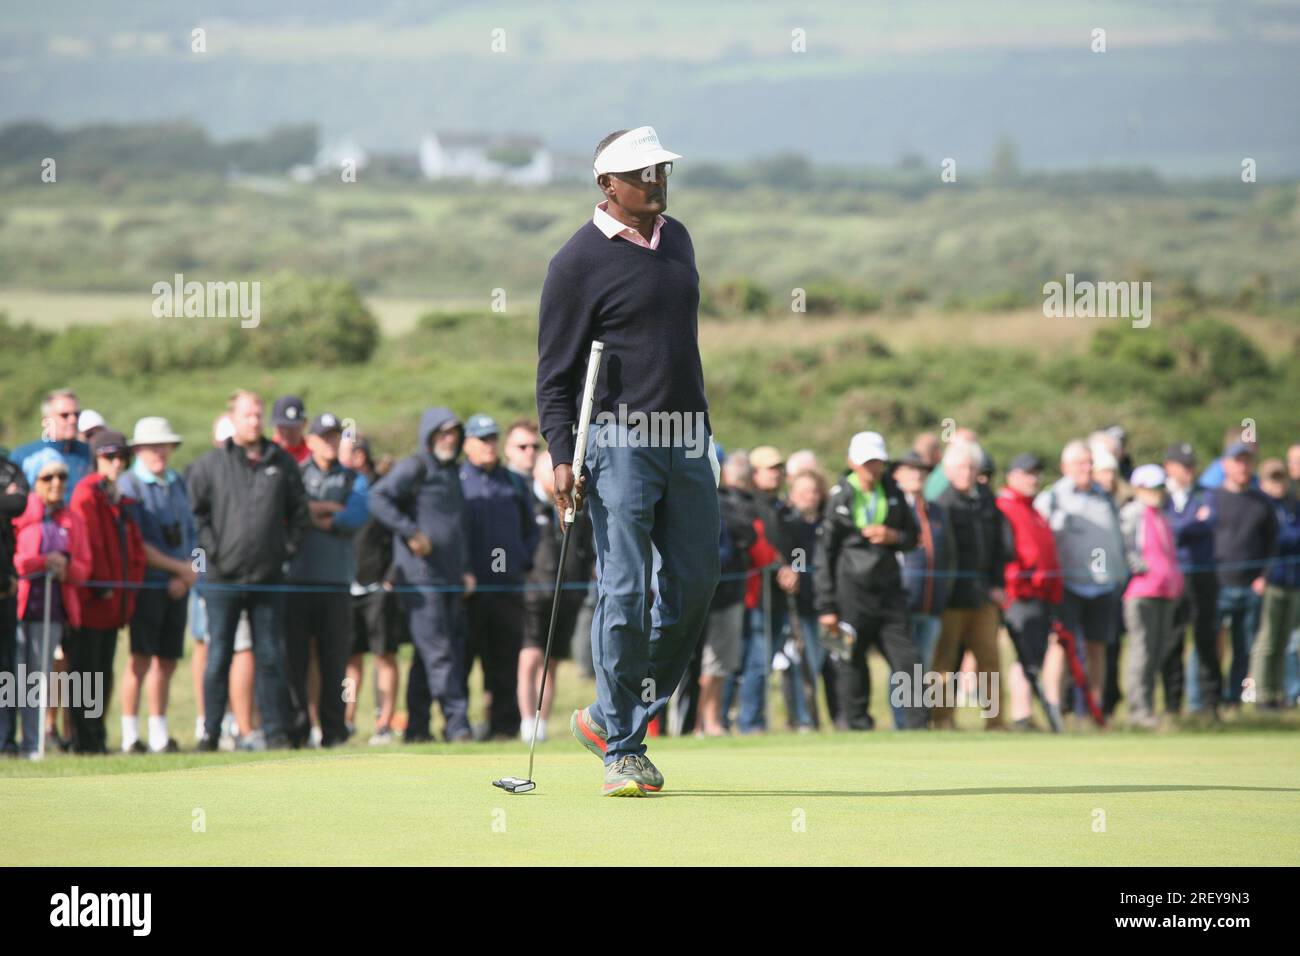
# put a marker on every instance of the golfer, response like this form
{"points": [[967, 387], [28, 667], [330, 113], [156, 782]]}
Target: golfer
{"points": [[628, 279]]}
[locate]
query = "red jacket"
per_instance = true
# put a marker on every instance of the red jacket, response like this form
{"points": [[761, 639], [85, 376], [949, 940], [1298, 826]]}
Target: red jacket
{"points": [[761, 554], [1034, 574], [28, 559], [117, 550]]}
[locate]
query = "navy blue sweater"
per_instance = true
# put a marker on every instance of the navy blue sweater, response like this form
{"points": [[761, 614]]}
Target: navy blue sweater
{"points": [[643, 304]]}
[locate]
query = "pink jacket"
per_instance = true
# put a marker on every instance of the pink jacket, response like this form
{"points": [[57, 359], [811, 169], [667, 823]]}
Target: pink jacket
{"points": [[1152, 553], [28, 559]]}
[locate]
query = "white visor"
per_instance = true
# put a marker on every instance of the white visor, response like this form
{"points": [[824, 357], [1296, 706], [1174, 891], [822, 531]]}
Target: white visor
{"points": [[635, 149]]}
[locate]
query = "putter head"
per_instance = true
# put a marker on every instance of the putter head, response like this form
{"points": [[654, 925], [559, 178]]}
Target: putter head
{"points": [[514, 784]]}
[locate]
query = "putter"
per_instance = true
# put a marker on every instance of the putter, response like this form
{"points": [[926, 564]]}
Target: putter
{"points": [[525, 784]]}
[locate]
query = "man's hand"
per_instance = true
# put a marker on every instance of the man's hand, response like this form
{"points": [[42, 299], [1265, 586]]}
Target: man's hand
{"points": [[880, 534], [324, 507], [568, 493], [829, 621], [187, 574], [998, 596], [469, 582], [12, 488], [176, 588], [787, 579], [1203, 513], [420, 545], [56, 562], [1258, 584]]}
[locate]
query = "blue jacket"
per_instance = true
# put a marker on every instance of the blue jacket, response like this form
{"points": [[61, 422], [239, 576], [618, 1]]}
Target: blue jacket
{"points": [[327, 557], [1194, 539], [163, 514], [423, 494], [1285, 570], [502, 532], [933, 566]]}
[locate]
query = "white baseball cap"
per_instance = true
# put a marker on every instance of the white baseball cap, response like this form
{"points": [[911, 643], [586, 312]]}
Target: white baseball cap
{"points": [[90, 419], [635, 149], [224, 429], [867, 446], [1148, 476]]}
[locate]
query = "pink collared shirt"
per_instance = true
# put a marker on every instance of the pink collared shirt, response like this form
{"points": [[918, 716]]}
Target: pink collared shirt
{"points": [[611, 227]]}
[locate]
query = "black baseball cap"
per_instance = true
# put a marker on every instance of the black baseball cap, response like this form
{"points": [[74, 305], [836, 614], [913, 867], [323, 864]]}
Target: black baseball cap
{"points": [[1182, 453], [109, 443], [912, 460], [1025, 461], [324, 423], [288, 410]]}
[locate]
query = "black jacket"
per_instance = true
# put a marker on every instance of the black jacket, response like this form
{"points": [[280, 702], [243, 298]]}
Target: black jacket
{"points": [[249, 518], [980, 545], [11, 507], [579, 561], [853, 577], [737, 513]]}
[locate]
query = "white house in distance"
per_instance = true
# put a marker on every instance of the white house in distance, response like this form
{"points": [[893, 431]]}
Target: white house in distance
{"points": [[483, 157]]}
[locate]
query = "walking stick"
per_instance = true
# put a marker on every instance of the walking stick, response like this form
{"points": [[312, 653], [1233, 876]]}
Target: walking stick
{"points": [[45, 670]]}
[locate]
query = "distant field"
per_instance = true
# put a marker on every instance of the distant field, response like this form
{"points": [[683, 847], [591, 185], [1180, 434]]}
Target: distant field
{"points": [[58, 310]]}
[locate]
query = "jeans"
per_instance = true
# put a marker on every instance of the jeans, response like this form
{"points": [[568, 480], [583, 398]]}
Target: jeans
{"points": [[647, 501], [756, 662], [266, 617], [1240, 606], [28, 653], [925, 635], [8, 665], [801, 699], [1291, 678]]}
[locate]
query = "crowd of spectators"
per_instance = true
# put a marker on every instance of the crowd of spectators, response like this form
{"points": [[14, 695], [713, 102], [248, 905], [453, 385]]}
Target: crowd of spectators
{"points": [[289, 559]]}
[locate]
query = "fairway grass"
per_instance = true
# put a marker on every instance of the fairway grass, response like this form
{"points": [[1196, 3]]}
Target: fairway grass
{"points": [[956, 798]]}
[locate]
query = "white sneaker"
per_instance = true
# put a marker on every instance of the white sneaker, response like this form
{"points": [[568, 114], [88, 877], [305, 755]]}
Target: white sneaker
{"points": [[526, 729], [381, 738], [315, 737]]}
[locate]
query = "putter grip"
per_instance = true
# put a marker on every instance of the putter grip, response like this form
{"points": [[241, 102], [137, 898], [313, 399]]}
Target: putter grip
{"points": [[584, 416]]}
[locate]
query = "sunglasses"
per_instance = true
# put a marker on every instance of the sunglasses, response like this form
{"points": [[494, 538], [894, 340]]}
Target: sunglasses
{"points": [[57, 476], [650, 174], [117, 455]]}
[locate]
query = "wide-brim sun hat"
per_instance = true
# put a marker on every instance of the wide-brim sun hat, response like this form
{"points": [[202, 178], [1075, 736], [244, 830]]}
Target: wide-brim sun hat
{"points": [[154, 431]]}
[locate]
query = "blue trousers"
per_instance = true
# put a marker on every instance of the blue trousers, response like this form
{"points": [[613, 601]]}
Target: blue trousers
{"points": [[439, 635], [642, 501], [266, 616]]}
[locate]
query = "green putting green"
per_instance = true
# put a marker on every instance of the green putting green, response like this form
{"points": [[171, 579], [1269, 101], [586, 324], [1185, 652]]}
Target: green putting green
{"points": [[957, 798]]}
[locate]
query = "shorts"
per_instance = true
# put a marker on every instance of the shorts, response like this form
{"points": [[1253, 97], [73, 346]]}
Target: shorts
{"points": [[377, 624], [158, 624], [1029, 623], [723, 635], [537, 621], [1094, 619]]}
